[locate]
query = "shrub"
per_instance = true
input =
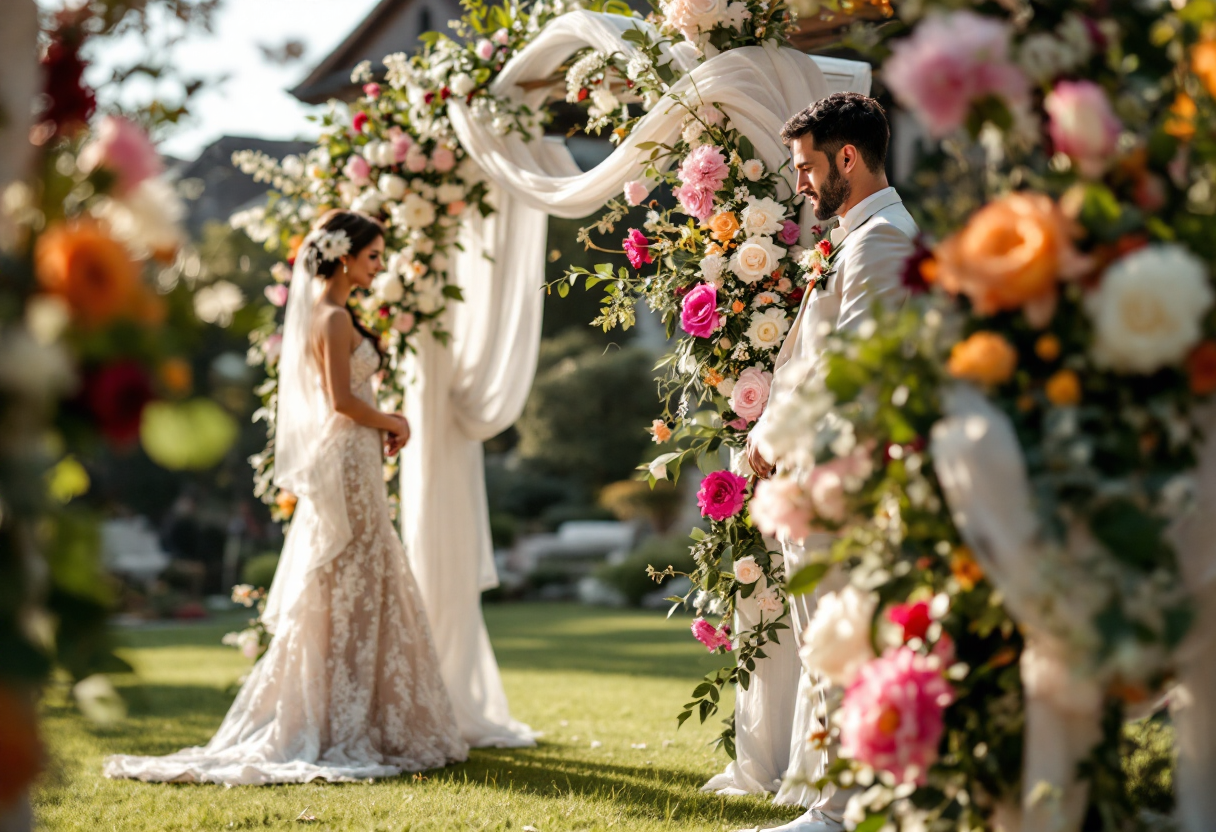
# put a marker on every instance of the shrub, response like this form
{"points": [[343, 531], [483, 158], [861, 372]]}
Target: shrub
{"points": [[259, 570], [629, 577]]}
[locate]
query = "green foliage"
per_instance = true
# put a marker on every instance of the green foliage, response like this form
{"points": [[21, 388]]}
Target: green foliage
{"points": [[629, 576], [259, 571]]}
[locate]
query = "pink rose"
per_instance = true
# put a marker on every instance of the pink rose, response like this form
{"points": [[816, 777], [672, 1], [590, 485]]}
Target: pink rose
{"points": [[371, 90], [502, 37], [782, 509], [951, 61], [891, 718], [401, 142], [738, 424], [359, 121], [827, 493], [696, 202], [404, 322], [455, 208], [636, 191], [274, 346], [789, 233], [721, 495], [637, 249], [415, 160], [277, 294], [1083, 125], [484, 49], [357, 170], [124, 149], [751, 393], [704, 168], [699, 311], [443, 159], [711, 637]]}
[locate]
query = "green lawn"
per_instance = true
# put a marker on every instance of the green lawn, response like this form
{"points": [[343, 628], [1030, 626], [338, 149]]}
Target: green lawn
{"points": [[578, 674]]}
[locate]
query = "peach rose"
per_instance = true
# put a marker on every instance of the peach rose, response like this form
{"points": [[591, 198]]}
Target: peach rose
{"points": [[1203, 63], [1064, 389], [1010, 253], [985, 357], [722, 227], [659, 431]]}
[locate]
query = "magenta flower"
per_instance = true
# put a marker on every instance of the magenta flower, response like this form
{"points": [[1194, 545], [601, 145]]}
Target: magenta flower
{"points": [[711, 637], [913, 619], [123, 148], [721, 495], [359, 122], [699, 312], [637, 249], [789, 233], [891, 718]]}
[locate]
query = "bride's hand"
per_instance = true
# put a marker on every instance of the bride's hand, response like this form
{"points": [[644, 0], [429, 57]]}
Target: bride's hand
{"points": [[398, 436]]}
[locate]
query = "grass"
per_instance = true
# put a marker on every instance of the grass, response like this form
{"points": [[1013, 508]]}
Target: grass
{"points": [[578, 674]]}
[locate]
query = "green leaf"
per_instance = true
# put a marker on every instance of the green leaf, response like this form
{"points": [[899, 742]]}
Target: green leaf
{"points": [[452, 291], [563, 289], [806, 579], [872, 823], [1131, 535]]}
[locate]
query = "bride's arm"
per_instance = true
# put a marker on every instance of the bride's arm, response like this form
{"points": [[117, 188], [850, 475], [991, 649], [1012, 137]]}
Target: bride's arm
{"points": [[336, 332]]}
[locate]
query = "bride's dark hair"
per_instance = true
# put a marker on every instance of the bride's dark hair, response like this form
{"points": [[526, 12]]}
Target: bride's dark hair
{"points": [[362, 231]]}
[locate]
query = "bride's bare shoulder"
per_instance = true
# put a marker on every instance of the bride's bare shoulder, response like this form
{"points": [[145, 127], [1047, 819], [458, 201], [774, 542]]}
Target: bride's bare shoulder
{"points": [[332, 324]]}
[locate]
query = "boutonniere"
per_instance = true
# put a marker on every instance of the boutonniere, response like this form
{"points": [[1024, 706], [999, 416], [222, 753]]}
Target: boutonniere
{"points": [[818, 262]]}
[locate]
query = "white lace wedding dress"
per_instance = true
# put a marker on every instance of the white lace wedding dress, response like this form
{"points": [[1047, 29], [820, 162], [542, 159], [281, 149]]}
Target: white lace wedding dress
{"points": [[350, 687]]}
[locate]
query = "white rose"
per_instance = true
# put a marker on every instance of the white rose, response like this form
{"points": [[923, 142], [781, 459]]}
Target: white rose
{"points": [[439, 263], [368, 202], [399, 264], [414, 212], [836, 642], [421, 242], [711, 268], [461, 84], [388, 287], [762, 217], [347, 191], [1148, 309], [704, 14], [449, 192], [747, 571], [756, 259], [147, 219], [766, 329], [736, 15], [429, 295], [604, 101], [692, 131], [392, 186], [753, 169]]}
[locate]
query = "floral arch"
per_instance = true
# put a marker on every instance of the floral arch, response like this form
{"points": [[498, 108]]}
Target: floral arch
{"points": [[1019, 691]]}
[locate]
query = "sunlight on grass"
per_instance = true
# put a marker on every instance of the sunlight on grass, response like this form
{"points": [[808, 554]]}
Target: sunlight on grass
{"points": [[580, 675]]}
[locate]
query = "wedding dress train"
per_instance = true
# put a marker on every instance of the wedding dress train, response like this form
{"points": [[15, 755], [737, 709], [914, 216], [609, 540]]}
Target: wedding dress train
{"points": [[350, 687]]}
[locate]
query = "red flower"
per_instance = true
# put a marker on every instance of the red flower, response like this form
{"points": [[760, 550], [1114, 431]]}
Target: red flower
{"points": [[583, 93], [637, 249], [914, 618], [359, 122], [825, 247], [428, 97], [371, 90], [444, 94], [71, 101], [795, 295], [913, 277], [115, 396]]}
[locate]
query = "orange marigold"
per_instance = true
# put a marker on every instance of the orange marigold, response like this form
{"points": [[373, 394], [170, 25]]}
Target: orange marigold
{"points": [[1181, 121], [723, 226], [1047, 347], [1201, 368], [985, 357], [1203, 63], [1010, 252], [1064, 389], [964, 568], [86, 267]]}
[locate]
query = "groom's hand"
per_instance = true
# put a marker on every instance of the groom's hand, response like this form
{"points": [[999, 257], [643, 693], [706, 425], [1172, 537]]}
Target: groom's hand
{"points": [[761, 466]]}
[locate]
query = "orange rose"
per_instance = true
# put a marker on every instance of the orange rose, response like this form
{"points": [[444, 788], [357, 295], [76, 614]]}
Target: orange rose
{"points": [[985, 357], [177, 376], [1064, 389], [286, 501], [964, 568], [1180, 123], [1009, 253], [1203, 63], [737, 307], [1201, 367], [86, 267], [1047, 347], [723, 226]]}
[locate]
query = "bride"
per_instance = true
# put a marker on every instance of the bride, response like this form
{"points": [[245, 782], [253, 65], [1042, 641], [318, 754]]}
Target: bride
{"points": [[350, 687]]}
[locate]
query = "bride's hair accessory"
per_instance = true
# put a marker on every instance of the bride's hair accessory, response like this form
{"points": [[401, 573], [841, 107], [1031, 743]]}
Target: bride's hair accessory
{"points": [[333, 245]]}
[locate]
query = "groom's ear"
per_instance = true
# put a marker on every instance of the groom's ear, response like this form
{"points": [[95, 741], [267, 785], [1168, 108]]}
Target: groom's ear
{"points": [[848, 158]]}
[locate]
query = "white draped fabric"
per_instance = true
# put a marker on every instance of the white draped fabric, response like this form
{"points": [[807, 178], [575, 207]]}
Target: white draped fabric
{"points": [[984, 478], [465, 393]]}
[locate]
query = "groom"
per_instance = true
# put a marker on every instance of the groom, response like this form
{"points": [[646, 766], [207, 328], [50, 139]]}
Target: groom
{"points": [[839, 149]]}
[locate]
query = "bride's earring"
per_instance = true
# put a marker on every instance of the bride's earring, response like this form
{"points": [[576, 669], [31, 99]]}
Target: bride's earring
{"points": [[345, 268]]}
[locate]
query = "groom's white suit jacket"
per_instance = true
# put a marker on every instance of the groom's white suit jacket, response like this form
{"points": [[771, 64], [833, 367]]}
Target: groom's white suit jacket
{"points": [[872, 241]]}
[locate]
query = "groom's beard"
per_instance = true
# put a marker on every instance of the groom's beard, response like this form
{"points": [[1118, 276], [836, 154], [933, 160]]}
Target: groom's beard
{"points": [[834, 193]]}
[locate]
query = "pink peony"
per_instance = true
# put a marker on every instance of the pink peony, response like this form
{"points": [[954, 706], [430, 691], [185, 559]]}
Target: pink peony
{"points": [[484, 49], [891, 718], [696, 202], [636, 191], [913, 619], [357, 170], [401, 142], [751, 393], [711, 637], [721, 495], [371, 90], [277, 294], [359, 121], [782, 509], [789, 233], [699, 311], [404, 322], [1083, 125], [124, 149], [950, 62], [443, 159], [738, 424], [704, 168], [637, 249]]}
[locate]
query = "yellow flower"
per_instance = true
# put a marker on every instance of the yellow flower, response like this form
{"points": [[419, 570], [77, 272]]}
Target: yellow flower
{"points": [[985, 357], [964, 568], [1064, 389], [1181, 121], [712, 378]]}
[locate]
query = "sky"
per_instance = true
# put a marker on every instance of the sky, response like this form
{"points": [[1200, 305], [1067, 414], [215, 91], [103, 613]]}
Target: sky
{"points": [[253, 100]]}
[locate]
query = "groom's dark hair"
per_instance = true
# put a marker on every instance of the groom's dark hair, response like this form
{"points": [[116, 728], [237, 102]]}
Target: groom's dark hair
{"points": [[844, 118]]}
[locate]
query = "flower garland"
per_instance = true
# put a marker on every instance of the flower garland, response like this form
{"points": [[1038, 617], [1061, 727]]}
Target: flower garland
{"points": [[1091, 329]]}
